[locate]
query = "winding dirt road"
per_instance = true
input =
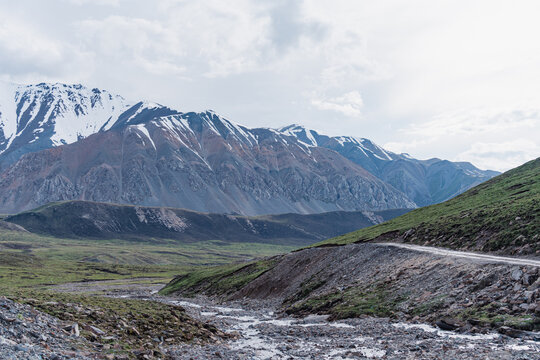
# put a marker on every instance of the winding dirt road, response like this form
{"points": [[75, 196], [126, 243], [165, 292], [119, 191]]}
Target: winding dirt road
{"points": [[466, 255]]}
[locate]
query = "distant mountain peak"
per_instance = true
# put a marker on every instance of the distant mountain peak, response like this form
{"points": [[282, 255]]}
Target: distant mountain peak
{"points": [[314, 138], [36, 117], [305, 135]]}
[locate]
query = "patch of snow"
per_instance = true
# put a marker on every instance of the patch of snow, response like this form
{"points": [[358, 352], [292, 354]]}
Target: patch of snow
{"points": [[74, 111], [8, 115], [372, 353], [142, 128], [310, 137], [144, 105], [517, 347], [227, 309], [340, 325]]}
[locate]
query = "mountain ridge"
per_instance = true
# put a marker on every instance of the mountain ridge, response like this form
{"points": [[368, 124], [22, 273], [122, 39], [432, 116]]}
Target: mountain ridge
{"points": [[423, 181], [312, 172], [199, 161], [93, 220]]}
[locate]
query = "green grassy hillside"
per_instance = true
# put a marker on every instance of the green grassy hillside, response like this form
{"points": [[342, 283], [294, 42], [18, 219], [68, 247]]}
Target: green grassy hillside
{"points": [[500, 215]]}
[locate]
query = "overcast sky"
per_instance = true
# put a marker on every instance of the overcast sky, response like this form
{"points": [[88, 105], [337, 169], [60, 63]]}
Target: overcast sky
{"points": [[452, 79]]}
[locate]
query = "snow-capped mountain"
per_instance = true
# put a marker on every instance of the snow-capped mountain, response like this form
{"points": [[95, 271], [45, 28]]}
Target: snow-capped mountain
{"points": [[108, 150], [424, 181], [37, 117], [198, 161]]}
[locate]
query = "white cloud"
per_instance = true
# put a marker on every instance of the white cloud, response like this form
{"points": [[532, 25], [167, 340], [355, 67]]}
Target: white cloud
{"points": [[486, 134], [143, 43], [95, 2], [349, 104], [501, 155], [24, 49], [477, 121], [270, 63], [407, 146], [210, 38]]}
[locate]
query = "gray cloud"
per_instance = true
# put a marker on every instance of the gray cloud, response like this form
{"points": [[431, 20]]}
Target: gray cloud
{"points": [[270, 63], [288, 25]]}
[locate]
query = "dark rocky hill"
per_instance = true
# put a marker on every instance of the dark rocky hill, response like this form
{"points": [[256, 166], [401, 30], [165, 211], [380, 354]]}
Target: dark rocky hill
{"points": [[81, 219]]}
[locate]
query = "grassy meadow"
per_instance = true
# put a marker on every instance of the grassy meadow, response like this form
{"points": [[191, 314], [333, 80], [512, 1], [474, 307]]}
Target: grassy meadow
{"points": [[33, 261]]}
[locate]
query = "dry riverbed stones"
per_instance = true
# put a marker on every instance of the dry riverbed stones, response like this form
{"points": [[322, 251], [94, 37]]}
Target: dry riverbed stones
{"points": [[26, 333]]}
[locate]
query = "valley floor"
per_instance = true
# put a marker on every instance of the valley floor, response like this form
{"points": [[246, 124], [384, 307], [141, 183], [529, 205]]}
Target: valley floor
{"points": [[261, 332], [407, 288]]}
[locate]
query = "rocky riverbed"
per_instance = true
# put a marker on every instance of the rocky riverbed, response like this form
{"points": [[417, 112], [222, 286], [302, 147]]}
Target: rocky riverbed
{"points": [[259, 332], [264, 335], [29, 334], [256, 331]]}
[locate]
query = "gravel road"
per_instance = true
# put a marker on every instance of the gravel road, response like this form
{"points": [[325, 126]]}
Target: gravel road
{"points": [[466, 255]]}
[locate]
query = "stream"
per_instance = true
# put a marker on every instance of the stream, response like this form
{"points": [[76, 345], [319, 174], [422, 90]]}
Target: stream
{"points": [[263, 334], [258, 332]]}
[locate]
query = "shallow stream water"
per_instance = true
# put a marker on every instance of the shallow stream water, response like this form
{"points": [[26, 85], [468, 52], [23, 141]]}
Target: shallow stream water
{"points": [[259, 332], [263, 334]]}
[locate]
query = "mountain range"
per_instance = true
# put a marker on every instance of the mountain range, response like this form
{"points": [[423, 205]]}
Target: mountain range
{"points": [[425, 182], [68, 142]]}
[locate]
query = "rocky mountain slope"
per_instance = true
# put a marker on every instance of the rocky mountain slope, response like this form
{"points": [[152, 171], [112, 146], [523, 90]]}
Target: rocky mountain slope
{"points": [[81, 219], [424, 181], [147, 154], [198, 161]]}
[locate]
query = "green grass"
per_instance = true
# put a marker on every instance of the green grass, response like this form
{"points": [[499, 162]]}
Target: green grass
{"points": [[487, 316], [218, 280], [430, 306], [30, 265], [500, 214], [351, 302], [29, 260]]}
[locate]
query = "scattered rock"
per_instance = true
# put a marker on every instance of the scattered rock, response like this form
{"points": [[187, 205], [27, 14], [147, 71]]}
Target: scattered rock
{"points": [[96, 330], [446, 324], [516, 274], [515, 333], [29, 334]]}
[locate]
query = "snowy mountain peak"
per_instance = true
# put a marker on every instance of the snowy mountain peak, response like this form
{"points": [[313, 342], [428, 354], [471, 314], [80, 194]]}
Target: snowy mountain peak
{"points": [[35, 117], [306, 136], [42, 116], [313, 138]]}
